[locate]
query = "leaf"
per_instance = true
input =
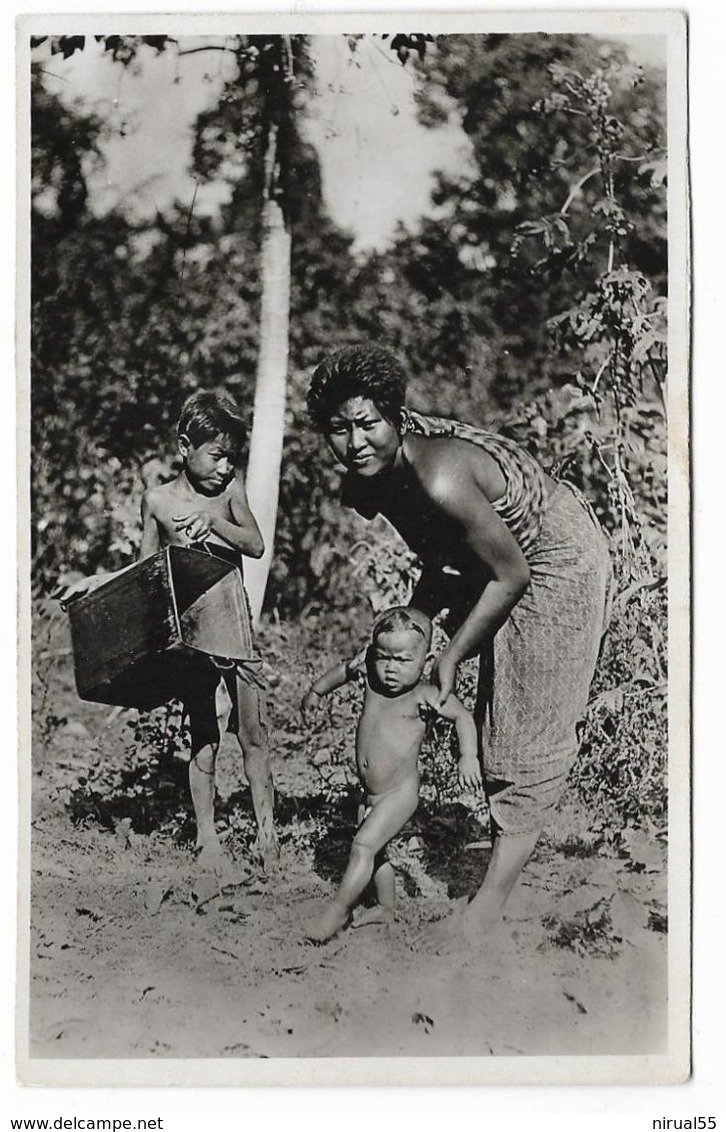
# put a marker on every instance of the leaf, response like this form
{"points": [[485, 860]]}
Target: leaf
{"points": [[647, 854], [646, 343], [582, 899], [205, 888], [156, 892], [627, 913], [68, 44], [658, 170], [611, 700], [532, 228]]}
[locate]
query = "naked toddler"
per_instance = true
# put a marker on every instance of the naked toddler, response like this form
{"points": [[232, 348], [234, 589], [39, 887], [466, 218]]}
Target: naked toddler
{"points": [[390, 732]]}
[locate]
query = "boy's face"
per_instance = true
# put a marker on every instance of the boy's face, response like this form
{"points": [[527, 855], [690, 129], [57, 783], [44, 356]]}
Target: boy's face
{"points": [[209, 465], [398, 659]]}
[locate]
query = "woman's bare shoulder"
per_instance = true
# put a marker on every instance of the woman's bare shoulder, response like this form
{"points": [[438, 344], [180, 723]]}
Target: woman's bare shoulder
{"points": [[445, 465]]}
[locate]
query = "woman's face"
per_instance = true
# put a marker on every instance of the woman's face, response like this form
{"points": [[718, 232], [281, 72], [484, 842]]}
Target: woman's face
{"points": [[361, 439]]}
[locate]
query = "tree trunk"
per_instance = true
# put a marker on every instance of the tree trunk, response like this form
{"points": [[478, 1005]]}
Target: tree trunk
{"points": [[268, 426]]}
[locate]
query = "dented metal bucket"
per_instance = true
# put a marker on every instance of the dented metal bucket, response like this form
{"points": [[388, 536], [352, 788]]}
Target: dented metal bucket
{"points": [[137, 634]]}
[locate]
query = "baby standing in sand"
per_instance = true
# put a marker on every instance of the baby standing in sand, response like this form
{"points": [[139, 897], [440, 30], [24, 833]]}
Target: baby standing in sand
{"points": [[390, 732]]}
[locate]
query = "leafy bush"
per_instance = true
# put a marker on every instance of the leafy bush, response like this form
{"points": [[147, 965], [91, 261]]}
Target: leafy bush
{"points": [[542, 294]]}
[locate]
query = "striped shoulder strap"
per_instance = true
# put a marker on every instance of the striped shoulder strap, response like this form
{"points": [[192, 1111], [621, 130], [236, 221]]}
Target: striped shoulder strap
{"points": [[523, 503]]}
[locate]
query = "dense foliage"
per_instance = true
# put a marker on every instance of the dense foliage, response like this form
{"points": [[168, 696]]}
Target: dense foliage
{"points": [[532, 299]]}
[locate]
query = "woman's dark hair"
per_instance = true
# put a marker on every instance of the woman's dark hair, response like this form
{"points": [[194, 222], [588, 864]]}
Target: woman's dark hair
{"points": [[209, 413], [357, 371]]}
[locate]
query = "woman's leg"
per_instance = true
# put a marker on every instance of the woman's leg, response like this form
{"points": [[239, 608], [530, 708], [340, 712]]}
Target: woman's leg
{"points": [[509, 856]]}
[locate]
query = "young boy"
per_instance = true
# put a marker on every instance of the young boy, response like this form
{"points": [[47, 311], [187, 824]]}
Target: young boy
{"points": [[388, 740], [206, 507]]}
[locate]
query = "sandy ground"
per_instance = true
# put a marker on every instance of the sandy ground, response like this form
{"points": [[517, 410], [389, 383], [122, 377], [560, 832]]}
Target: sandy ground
{"points": [[135, 953]]}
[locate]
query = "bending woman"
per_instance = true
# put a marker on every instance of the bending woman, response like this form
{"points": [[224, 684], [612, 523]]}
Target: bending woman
{"points": [[518, 560]]}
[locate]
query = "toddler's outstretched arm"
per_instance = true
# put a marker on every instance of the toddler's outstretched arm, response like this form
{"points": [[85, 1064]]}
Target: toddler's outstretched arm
{"points": [[335, 677]]}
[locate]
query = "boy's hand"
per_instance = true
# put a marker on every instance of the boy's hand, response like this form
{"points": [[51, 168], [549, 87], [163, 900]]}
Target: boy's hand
{"points": [[79, 588], [309, 705], [197, 524], [469, 772]]}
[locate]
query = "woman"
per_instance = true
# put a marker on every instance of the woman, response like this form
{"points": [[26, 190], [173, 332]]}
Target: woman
{"points": [[517, 559]]}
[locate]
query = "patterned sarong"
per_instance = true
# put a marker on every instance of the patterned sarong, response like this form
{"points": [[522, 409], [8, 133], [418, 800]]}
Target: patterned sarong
{"points": [[534, 683]]}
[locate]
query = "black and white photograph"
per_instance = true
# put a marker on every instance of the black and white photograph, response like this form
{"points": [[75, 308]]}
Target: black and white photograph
{"points": [[354, 415]]}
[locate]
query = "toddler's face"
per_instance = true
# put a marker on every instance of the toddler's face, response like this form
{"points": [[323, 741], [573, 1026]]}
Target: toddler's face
{"points": [[398, 659]]}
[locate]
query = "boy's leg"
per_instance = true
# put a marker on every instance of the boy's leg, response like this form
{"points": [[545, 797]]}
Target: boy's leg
{"points": [[252, 736], [199, 704], [201, 786], [387, 817]]}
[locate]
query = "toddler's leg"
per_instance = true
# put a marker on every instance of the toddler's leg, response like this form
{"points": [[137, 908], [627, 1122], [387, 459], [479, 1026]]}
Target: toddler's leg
{"points": [[384, 884], [252, 737], [388, 815]]}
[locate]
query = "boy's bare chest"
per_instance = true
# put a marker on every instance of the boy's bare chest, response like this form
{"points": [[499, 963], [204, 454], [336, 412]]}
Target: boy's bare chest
{"points": [[174, 506]]}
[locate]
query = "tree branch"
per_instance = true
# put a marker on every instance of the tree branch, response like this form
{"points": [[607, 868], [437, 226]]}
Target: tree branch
{"points": [[209, 47], [576, 188]]}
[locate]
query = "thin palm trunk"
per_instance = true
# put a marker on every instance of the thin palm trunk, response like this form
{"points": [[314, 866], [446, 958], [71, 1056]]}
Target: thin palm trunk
{"points": [[265, 456]]}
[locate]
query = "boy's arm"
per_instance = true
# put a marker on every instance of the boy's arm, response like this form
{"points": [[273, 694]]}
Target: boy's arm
{"points": [[150, 537], [463, 720], [244, 533], [241, 532], [150, 543]]}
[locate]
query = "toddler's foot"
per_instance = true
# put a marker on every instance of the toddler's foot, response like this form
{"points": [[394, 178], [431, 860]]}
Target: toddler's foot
{"points": [[375, 915], [333, 918]]}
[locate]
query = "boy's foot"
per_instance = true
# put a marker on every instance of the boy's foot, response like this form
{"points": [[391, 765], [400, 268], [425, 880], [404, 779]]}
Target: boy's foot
{"points": [[332, 919], [212, 858], [269, 854], [375, 915]]}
